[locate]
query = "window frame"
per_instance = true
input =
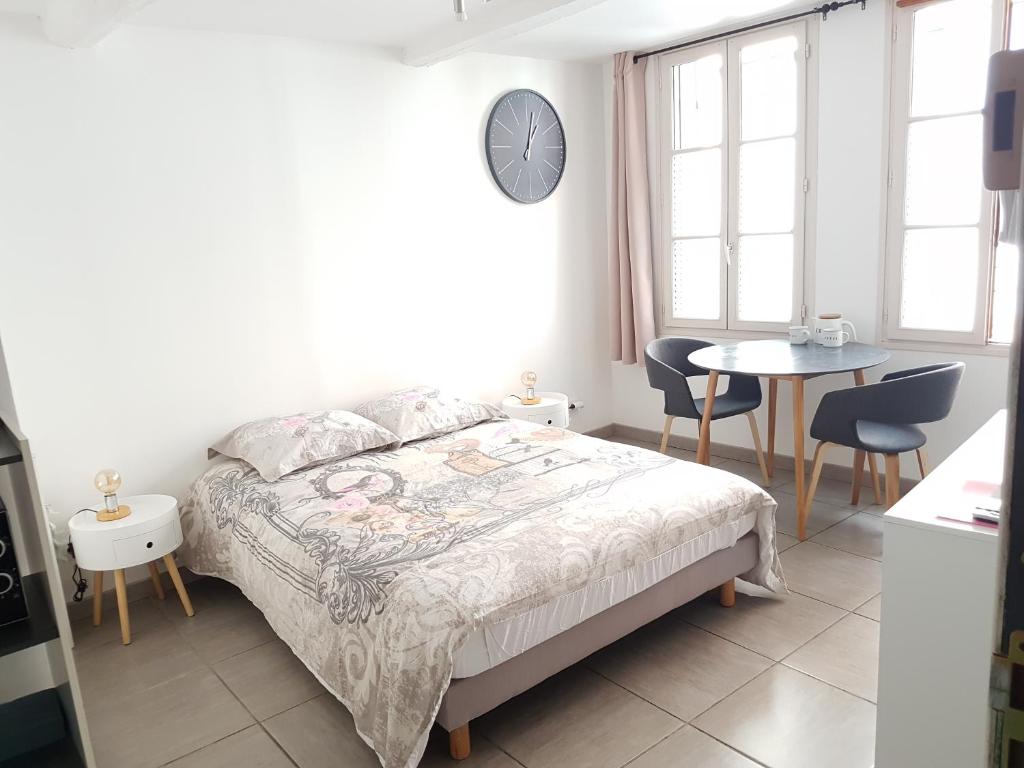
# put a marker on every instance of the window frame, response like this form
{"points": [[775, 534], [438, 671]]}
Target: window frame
{"points": [[894, 181], [804, 198]]}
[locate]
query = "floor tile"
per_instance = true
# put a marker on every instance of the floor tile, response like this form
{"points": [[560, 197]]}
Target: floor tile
{"points": [[859, 534], [822, 515], [321, 734], [752, 472], [153, 726], [784, 541], [483, 754], [835, 577], [268, 679], [769, 624], [143, 614], [785, 718], [576, 718], [833, 491], [872, 609], [689, 748], [251, 748], [844, 655], [225, 624], [678, 667], [155, 655]]}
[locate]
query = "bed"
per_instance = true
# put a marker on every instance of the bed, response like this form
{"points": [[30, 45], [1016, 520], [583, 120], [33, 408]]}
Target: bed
{"points": [[439, 579]]}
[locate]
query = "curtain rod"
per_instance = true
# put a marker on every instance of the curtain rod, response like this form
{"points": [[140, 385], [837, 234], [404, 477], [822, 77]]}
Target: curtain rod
{"points": [[824, 10]]}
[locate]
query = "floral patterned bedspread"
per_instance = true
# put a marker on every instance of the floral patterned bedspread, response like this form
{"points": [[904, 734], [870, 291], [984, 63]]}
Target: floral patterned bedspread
{"points": [[374, 569]]}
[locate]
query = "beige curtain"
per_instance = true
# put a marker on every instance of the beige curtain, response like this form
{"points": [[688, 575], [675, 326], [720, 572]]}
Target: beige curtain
{"points": [[631, 269]]}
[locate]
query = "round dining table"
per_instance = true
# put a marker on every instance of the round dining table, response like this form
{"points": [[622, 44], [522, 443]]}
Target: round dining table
{"points": [[775, 360]]}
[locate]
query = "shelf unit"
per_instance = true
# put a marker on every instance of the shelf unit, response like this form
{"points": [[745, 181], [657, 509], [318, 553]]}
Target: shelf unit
{"points": [[48, 623]]}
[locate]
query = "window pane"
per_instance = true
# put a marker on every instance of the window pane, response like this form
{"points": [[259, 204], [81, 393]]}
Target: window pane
{"points": [[940, 278], [944, 171], [697, 103], [767, 186], [765, 288], [697, 193], [1004, 294], [950, 57], [768, 85], [696, 287]]}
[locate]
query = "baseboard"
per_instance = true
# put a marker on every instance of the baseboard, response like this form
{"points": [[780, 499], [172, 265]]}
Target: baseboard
{"points": [[608, 430], [740, 453], [136, 591]]}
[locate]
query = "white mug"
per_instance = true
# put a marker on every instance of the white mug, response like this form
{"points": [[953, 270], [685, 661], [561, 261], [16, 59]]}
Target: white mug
{"points": [[834, 338], [799, 334], [824, 323]]}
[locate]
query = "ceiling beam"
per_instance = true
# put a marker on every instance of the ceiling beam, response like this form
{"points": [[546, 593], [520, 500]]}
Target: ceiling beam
{"points": [[83, 23], [490, 23]]}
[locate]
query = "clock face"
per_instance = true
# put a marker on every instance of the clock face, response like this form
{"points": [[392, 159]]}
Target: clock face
{"points": [[525, 146]]}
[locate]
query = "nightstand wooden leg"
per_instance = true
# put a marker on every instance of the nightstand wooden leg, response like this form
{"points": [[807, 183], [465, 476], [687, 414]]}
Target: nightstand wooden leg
{"points": [[122, 606], [97, 598], [154, 575], [172, 569]]}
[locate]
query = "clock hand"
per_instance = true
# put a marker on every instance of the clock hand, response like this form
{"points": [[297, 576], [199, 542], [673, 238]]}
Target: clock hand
{"points": [[529, 140]]}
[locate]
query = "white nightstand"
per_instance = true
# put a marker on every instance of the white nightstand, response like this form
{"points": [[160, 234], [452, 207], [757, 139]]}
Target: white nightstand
{"points": [[552, 410], [151, 532]]}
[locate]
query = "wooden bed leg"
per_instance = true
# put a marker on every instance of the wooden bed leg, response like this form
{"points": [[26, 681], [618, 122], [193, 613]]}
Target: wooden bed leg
{"points": [[727, 593], [458, 742]]}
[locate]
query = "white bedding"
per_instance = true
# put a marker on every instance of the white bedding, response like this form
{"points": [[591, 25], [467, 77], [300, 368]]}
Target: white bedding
{"points": [[491, 644], [377, 569]]}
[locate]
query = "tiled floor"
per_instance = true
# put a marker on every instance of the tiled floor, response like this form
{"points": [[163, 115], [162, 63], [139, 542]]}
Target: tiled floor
{"points": [[775, 681]]}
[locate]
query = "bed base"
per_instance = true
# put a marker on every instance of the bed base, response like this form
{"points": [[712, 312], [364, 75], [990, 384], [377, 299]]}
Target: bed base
{"points": [[470, 697]]}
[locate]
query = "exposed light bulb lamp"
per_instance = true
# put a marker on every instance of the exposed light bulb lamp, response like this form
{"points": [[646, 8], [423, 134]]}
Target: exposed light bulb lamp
{"points": [[529, 379], [107, 482]]}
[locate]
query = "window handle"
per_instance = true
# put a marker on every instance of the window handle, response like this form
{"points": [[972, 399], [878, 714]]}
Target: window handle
{"points": [[728, 253]]}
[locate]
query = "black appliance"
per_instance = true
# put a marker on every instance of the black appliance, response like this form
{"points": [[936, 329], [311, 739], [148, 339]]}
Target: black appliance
{"points": [[12, 596]]}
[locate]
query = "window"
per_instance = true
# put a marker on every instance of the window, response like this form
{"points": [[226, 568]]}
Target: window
{"points": [[733, 147], [946, 281]]}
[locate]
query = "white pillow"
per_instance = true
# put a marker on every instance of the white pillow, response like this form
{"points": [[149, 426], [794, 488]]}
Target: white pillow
{"points": [[283, 444], [420, 412]]}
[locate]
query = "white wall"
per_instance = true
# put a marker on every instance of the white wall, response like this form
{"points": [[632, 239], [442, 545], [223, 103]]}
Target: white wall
{"points": [[200, 229], [847, 253]]}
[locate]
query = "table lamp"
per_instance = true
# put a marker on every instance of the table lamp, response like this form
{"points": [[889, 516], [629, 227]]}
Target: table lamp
{"points": [[107, 482], [529, 379]]}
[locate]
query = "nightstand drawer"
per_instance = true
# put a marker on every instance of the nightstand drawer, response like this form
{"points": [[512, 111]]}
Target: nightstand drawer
{"points": [[146, 547]]}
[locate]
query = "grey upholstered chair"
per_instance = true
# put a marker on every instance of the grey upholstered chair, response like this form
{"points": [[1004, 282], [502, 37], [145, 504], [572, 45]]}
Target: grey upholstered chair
{"points": [[668, 369], [882, 418]]}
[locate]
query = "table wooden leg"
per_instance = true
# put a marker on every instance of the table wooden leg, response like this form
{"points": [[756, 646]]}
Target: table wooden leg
{"points": [[798, 440], [154, 576], [122, 606], [704, 444], [172, 570], [773, 399], [876, 485], [97, 598]]}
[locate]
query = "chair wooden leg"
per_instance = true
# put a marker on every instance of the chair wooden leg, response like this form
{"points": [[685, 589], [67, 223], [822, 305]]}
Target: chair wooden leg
{"points": [[922, 462], [805, 512], [458, 742], [122, 606], [704, 445], [892, 479], [97, 598], [876, 482], [665, 433], [154, 576], [172, 571], [757, 447], [773, 400], [859, 457], [727, 593]]}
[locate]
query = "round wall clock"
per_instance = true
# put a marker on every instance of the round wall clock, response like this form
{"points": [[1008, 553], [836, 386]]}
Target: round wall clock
{"points": [[525, 146]]}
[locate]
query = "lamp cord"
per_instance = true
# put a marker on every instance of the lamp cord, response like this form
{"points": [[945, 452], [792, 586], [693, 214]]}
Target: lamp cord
{"points": [[77, 578]]}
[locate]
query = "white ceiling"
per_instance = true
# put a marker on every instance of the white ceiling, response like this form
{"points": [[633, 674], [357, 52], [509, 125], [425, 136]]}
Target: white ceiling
{"points": [[597, 31]]}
